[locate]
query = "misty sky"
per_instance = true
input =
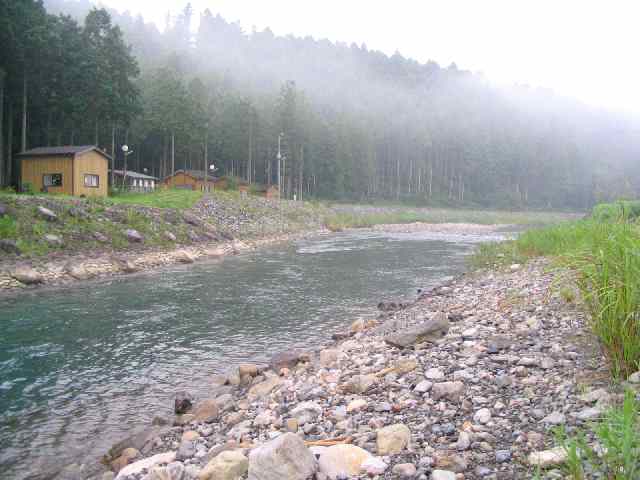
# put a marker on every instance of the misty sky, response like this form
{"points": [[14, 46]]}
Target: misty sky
{"points": [[582, 48]]}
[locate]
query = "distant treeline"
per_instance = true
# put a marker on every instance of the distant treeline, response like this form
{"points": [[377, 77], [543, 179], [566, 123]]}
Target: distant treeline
{"points": [[356, 124]]}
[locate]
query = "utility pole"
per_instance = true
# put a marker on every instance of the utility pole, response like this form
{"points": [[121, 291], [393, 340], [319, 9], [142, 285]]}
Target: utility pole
{"points": [[206, 157], [279, 162]]}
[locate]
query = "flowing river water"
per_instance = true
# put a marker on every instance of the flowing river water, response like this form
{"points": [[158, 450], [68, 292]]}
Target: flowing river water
{"points": [[81, 368]]}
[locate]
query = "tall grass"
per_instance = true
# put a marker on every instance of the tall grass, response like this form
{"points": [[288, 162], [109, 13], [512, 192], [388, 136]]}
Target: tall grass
{"points": [[606, 259]]}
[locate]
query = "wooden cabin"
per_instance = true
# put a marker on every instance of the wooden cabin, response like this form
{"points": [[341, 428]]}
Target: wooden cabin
{"points": [[71, 170], [270, 191], [134, 181], [193, 180]]}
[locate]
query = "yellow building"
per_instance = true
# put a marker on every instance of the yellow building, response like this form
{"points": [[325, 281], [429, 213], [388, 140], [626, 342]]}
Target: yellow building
{"points": [[72, 170]]}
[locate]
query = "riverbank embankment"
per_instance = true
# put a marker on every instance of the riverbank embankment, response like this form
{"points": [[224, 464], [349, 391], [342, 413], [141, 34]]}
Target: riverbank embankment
{"points": [[465, 383]]}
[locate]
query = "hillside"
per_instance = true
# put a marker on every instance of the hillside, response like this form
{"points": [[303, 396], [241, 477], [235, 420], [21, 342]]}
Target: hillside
{"points": [[356, 124]]}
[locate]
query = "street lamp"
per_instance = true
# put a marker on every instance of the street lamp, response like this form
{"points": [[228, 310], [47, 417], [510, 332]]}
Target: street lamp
{"points": [[279, 162], [127, 152]]}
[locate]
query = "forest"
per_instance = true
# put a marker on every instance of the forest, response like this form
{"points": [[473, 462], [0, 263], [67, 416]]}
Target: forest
{"points": [[354, 124]]}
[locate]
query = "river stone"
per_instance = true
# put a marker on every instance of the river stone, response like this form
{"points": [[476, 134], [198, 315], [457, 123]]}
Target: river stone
{"points": [[182, 402], [328, 357], [339, 461], [228, 465], [306, 412], [373, 466], [170, 236], [263, 388], [137, 441], [443, 475], [404, 470], [482, 416], [548, 458], [393, 439], [554, 418], [451, 391], [77, 271], [182, 256], [27, 275], [359, 383], [9, 246], [47, 214], [146, 464], [285, 360], [429, 331], [100, 237], [247, 370], [285, 457], [192, 220], [206, 411], [134, 236], [3, 210], [53, 240]]}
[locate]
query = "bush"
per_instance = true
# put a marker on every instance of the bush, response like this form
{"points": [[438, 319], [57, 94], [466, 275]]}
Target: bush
{"points": [[621, 211]]}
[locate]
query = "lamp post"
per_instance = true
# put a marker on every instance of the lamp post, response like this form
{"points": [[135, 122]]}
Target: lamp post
{"points": [[279, 162], [127, 152]]}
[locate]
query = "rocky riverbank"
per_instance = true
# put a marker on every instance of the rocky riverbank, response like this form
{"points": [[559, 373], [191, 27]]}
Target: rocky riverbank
{"points": [[465, 383], [59, 241]]}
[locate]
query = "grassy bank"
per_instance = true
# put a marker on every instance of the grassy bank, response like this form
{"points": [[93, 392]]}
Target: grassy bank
{"points": [[355, 216], [604, 254]]}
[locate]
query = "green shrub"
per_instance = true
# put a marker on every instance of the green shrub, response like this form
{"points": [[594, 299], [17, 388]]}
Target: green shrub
{"points": [[621, 211], [8, 227]]}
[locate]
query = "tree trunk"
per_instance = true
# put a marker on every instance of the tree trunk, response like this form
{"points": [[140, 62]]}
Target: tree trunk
{"points": [[430, 179], [173, 153], [2, 163], [10, 145], [250, 159], [205, 159], [113, 153], [301, 177], [23, 145], [96, 138]]}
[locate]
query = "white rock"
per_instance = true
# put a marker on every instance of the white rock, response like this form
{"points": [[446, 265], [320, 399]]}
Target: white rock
{"points": [[548, 458], [357, 405], [374, 466], [482, 416], [588, 413], [306, 412], [423, 386], [634, 377], [393, 439], [147, 463], [554, 418], [434, 374], [340, 461], [443, 475], [285, 457], [228, 465]]}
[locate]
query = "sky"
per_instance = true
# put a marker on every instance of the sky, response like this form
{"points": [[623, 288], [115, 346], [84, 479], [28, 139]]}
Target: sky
{"points": [[580, 48]]}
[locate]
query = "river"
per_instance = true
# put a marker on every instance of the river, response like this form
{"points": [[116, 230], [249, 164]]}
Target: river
{"points": [[81, 367]]}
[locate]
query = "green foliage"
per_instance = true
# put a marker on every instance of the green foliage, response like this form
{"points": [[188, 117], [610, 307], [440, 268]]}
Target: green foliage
{"points": [[161, 198], [8, 227], [621, 211], [617, 435]]}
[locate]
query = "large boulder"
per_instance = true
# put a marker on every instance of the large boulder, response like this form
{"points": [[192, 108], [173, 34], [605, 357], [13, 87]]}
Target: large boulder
{"points": [[206, 411], [53, 240], [47, 214], [342, 461], [182, 402], [134, 236], [429, 331], [262, 389], [27, 275], [306, 412], [146, 464], [77, 271], [393, 439], [182, 256], [228, 465], [285, 360], [9, 246], [192, 220], [285, 457]]}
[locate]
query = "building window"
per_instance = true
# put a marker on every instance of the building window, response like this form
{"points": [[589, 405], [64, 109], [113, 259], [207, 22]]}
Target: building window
{"points": [[91, 181], [52, 180]]}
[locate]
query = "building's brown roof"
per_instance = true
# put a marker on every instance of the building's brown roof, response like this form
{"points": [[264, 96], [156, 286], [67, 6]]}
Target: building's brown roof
{"points": [[197, 174], [63, 151]]}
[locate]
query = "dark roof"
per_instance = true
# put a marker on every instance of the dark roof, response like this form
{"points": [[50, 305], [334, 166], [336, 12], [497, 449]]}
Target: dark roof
{"points": [[65, 151], [132, 174]]}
